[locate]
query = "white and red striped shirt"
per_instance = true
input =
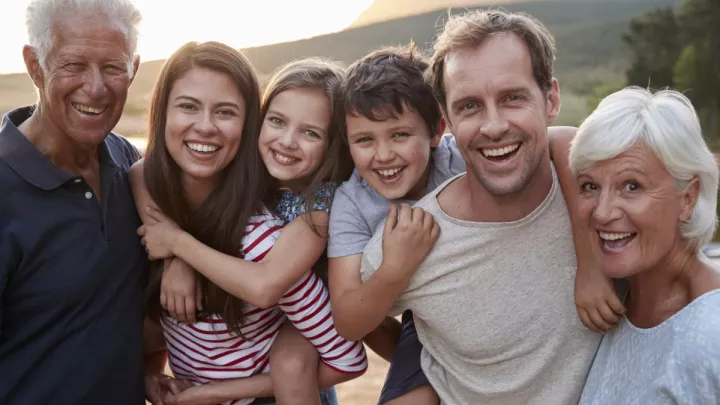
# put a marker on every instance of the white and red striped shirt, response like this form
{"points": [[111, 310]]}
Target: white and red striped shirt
{"points": [[205, 351]]}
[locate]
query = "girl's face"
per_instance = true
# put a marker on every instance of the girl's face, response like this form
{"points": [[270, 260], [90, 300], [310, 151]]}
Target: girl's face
{"points": [[294, 135], [205, 119]]}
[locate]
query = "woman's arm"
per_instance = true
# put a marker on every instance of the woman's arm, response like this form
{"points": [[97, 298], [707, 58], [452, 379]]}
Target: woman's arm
{"points": [[260, 283], [596, 300]]}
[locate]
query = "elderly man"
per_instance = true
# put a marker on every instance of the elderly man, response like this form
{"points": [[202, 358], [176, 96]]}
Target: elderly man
{"points": [[493, 300], [71, 265]]}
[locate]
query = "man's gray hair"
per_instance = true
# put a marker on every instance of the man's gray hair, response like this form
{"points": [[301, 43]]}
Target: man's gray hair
{"points": [[666, 122], [40, 16]]}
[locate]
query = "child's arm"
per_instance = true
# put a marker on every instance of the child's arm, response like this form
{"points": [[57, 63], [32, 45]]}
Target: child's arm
{"points": [[359, 308], [596, 300]]}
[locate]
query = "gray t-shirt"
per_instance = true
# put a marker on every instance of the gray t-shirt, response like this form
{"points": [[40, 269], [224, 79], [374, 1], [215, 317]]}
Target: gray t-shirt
{"points": [[357, 209], [674, 363], [493, 304]]}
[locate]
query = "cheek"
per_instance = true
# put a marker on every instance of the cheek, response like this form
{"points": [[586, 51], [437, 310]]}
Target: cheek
{"points": [[585, 209], [361, 157]]}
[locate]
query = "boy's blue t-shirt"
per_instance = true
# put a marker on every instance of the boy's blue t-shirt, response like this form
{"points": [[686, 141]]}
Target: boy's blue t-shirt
{"points": [[676, 362], [357, 209]]}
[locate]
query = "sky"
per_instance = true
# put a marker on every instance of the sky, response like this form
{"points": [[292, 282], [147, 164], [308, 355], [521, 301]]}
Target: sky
{"points": [[168, 24]]}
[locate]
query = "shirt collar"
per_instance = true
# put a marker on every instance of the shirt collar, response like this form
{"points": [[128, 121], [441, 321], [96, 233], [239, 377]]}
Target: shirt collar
{"points": [[27, 161]]}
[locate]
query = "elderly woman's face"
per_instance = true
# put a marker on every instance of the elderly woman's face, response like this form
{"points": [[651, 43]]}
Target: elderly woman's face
{"points": [[85, 86], [633, 209]]}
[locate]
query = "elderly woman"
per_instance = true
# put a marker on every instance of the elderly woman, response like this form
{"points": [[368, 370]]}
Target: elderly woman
{"points": [[648, 193]]}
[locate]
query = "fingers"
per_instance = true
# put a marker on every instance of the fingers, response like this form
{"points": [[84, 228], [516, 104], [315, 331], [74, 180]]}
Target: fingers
{"points": [[153, 213], [176, 387], [190, 308], [391, 219], [598, 320], [171, 307], [163, 300], [198, 296], [404, 214], [616, 306], [585, 318], [142, 231], [418, 215], [608, 314], [435, 232]]}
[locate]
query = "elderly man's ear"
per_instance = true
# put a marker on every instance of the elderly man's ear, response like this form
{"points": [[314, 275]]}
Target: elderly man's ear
{"points": [[136, 66], [32, 64]]}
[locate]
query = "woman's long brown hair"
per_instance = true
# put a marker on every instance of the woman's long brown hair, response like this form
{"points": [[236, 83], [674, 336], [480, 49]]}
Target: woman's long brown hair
{"points": [[221, 219]]}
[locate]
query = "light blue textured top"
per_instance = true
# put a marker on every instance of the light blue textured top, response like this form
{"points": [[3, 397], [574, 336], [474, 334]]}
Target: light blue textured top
{"points": [[674, 363]]}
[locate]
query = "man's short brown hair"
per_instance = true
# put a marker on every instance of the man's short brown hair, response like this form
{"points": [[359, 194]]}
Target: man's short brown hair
{"points": [[385, 82], [471, 29]]}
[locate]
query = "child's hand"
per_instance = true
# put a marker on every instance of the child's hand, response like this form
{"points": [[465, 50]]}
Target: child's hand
{"points": [[159, 386], [195, 395], [180, 294], [596, 300], [408, 236], [159, 236]]}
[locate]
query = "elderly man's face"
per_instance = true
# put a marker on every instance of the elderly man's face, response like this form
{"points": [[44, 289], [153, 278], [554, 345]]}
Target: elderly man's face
{"points": [[85, 86], [634, 211], [498, 113]]}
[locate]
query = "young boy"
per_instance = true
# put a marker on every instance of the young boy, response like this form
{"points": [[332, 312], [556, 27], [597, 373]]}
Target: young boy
{"points": [[394, 130]]}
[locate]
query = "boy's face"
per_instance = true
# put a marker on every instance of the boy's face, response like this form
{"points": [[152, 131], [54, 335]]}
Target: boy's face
{"points": [[393, 155]]}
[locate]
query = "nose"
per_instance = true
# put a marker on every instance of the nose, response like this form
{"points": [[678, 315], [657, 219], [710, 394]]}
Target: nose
{"points": [[384, 152], [287, 139], [205, 125], [94, 83], [606, 208], [494, 125]]}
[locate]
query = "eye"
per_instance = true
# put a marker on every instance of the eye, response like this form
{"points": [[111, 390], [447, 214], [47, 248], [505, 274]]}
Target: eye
{"points": [[469, 106], [276, 121], [513, 98], [588, 187], [227, 113], [400, 135], [115, 69], [631, 187], [364, 139], [187, 106], [311, 134]]}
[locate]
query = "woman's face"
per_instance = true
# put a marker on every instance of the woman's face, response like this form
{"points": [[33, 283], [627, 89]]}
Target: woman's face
{"points": [[294, 135], [205, 119], [634, 210]]}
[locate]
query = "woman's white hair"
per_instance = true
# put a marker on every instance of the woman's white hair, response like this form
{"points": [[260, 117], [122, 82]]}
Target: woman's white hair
{"points": [[666, 122], [41, 14]]}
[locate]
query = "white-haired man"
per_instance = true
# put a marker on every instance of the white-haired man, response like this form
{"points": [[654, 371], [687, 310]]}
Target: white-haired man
{"points": [[71, 265]]}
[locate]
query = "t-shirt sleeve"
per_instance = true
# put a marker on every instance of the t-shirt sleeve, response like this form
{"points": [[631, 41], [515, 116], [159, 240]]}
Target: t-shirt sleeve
{"points": [[455, 161], [261, 233], [324, 197], [348, 233], [307, 306]]}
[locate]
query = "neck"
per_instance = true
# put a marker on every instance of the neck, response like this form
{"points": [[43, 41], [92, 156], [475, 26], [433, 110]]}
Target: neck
{"points": [[294, 186], [511, 207], [197, 190], [661, 291], [64, 152]]}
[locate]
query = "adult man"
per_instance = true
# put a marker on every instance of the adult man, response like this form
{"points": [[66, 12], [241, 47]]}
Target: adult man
{"points": [[71, 265], [493, 301]]}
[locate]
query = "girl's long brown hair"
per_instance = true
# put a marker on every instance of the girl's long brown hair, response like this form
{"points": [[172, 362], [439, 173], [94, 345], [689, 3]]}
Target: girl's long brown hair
{"points": [[221, 219]]}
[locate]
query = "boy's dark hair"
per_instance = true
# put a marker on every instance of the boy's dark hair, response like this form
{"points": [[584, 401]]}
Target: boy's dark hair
{"points": [[383, 83]]}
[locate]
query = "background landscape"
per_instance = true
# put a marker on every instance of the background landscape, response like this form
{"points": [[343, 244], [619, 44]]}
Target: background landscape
{"points": [[603, 45]]}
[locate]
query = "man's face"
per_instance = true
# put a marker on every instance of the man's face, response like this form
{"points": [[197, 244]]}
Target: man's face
{"points": [[392, 155], [84, 88], [498, 113]]}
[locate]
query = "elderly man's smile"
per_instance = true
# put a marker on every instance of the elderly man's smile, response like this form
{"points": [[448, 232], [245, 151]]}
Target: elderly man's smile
{"points": [[89, 110]]}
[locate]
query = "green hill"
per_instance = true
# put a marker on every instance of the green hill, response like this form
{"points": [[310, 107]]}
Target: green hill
{"points": [[588, 34]]}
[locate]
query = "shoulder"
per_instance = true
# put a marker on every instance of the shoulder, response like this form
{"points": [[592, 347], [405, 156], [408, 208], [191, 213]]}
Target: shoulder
{"points": [[122, 150], [698, 328], [324, 196]]}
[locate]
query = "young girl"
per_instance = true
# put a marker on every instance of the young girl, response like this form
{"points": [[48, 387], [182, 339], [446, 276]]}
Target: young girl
{"points": [[205, 173]]}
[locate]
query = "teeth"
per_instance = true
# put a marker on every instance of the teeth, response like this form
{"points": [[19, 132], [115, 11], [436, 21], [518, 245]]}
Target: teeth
{"points": [[199, 147], [613, 236], [500, 151], [283, 159], [88, 109], [389, 172]]}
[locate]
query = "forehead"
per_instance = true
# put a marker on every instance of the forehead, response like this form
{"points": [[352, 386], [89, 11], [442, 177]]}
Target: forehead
{"points": [[501, 61], [207, 86], [309, 104], [639, 158], [386, 119], [88, 37]]}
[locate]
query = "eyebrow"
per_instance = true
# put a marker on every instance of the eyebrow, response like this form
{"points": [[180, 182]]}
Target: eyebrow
{"points": [[221, 104]]}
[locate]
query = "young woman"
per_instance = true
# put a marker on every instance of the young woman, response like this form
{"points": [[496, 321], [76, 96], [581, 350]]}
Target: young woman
{"points": [[202, 194]]}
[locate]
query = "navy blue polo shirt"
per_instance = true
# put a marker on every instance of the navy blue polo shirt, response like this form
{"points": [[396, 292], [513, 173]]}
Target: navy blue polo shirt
{"points": [[72, 277]]}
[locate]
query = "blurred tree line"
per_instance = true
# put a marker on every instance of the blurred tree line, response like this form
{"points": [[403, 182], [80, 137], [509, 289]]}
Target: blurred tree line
{"points": [[677, 48]]}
